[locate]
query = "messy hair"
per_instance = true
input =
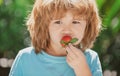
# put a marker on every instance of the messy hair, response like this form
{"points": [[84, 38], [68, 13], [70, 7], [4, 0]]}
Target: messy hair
{"points": [[45, 10]]}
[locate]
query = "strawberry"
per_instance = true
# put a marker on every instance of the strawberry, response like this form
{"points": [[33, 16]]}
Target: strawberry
{"points": [[67, 39]]}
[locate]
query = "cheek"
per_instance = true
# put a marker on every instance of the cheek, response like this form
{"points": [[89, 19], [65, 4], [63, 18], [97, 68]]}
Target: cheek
{"points": [[80, 36], [80, 33], [54, 35]]}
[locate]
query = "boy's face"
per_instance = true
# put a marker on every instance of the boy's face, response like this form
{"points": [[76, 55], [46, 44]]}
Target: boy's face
{"points": [[67, 25]]}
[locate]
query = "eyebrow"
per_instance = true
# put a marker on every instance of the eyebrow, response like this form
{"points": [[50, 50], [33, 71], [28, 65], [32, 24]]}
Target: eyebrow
{"points": [[78, 18]]}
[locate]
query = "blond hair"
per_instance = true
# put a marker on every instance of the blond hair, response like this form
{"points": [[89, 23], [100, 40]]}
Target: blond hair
{"points": [[45, 10]]}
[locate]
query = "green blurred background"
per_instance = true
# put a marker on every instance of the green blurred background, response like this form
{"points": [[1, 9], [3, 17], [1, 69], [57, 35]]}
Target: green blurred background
{"points": [[14, 35]]}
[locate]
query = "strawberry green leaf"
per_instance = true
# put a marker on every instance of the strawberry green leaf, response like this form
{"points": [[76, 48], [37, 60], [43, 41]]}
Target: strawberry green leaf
{"points": [[74, 40], [62, 42]]}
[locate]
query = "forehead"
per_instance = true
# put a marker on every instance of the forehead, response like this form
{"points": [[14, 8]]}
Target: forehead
{"points": [[76, 14]]}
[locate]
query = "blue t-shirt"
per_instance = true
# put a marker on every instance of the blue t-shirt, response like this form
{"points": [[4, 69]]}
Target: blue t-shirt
{"points": [[28, 63]]}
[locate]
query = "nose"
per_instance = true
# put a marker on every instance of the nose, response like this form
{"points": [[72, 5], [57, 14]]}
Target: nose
{"points": [[67, 29]]}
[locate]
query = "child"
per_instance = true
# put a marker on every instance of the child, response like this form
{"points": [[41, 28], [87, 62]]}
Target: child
{"points": [[49, 22]]}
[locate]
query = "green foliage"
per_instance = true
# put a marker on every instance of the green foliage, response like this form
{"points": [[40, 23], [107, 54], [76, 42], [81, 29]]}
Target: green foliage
{"points": [[1, 1], [12, 20], [108, 43]]}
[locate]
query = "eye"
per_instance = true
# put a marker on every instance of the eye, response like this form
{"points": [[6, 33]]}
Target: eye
{"points": [[76, 22], [58, 22]]}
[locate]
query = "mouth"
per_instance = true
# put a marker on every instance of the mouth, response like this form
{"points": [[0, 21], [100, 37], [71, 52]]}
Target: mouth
{"points": [[67, 39]]}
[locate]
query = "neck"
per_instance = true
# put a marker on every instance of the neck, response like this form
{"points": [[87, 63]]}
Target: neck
{"points": [[56, 51]]}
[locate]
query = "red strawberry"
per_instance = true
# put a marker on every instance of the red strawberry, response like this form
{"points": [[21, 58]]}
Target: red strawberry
{"points": [[63, 45], [67, 39]]}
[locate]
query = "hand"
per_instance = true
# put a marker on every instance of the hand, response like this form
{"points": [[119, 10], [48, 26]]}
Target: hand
{"points": [[75, 56], [76, 59]]}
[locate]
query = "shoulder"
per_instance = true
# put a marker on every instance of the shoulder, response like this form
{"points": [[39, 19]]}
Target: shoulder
{"points": [[90, 52], [91, 55], [93, 62], [25, 55], [21, 60], [26, 51]]}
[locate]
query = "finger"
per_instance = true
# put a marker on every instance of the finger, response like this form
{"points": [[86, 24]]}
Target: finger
{"points": [[70, 53], [65, 50], [74, 49]]}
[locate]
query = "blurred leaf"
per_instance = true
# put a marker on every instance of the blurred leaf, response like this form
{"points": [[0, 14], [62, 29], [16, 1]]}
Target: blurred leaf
{"points": [[100, 3], [112, 12], [117, 28], [1, 1]]}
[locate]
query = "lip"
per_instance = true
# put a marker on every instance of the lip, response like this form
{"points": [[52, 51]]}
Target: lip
{"points": [[64, 36], [67, 35]]}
